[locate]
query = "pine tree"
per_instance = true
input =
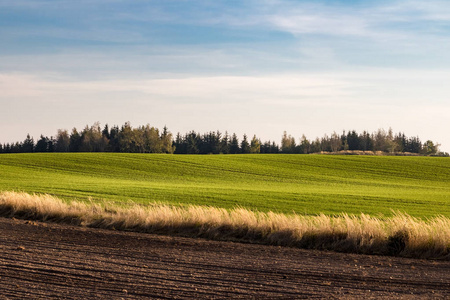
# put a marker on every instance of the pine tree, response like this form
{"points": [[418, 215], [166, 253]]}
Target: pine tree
{"points": [[234, 144], [225, 144], [105, 132], [353, 140], [245, 146], [217, 147], [75, 141], [42, 144], [166, 139], [305, 145], [51, 144], [178, 144], [192, 140], [274, 148], [28, 144], [114, 139]]}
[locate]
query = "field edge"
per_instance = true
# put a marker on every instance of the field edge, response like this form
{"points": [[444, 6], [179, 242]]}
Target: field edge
{"points": [[399, 235]]}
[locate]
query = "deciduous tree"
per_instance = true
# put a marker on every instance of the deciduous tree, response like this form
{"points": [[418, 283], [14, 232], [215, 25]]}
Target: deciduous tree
{"points": [[62, 141]]}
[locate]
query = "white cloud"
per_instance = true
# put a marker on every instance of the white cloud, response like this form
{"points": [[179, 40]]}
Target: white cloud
{"points": [[313, 80]]}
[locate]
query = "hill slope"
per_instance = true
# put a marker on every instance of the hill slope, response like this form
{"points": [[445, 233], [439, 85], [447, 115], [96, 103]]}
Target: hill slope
{"points": [[309, 184]]}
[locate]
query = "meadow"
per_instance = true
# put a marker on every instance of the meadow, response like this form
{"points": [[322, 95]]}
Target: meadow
{"points": [[300, 184]]}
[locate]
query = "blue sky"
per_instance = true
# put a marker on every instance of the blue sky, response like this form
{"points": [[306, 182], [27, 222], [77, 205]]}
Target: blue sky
{"points": [[255, 67]]}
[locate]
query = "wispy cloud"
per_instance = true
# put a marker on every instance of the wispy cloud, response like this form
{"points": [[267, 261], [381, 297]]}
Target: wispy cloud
{"points": [[417, 10], [376, 20], [301, 66], [264, 105]]}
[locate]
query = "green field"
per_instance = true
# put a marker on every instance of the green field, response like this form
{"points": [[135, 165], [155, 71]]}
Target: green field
{"points": [[305, 184]]}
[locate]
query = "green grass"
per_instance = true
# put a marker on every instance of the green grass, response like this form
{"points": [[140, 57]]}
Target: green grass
{"points": [[305, 184]]}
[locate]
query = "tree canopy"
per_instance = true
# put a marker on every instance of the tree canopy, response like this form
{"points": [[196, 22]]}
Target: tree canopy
{"points": [[148, 139]]}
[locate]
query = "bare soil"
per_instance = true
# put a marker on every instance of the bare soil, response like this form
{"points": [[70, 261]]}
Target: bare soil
{"points": [[50, 261]]}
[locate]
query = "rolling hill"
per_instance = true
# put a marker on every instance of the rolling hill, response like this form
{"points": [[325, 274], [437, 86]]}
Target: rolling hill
{"points": [[304, 184]]}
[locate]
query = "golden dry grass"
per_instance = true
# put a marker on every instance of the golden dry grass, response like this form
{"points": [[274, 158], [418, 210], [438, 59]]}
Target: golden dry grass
{"points": [[400, 235]]}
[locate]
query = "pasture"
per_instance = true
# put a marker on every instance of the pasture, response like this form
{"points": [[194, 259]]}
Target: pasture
{"points": [[304, 184]]}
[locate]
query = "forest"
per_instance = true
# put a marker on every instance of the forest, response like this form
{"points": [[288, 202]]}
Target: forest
{"points": [[148, 139]]}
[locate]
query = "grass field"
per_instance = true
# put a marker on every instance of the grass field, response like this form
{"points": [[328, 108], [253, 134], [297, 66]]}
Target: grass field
{"points": [[305, 184]]}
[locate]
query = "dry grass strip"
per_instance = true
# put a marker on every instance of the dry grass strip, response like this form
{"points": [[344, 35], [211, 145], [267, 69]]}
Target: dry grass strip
{"points": [[400, 235]]}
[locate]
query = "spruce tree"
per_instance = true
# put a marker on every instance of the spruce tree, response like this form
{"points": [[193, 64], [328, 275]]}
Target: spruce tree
{"points": [[234, 144], [105, 132], [178, 143], [274, 148], [225, 144], [42, 144], [245, 146], [28, 144], [114, 139], [75, 141], [166, 141], [51, 144], [192, 140]]}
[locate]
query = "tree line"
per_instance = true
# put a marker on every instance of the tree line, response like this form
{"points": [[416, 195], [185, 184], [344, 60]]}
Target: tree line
{"points": [[147, 139], [380, 140]]}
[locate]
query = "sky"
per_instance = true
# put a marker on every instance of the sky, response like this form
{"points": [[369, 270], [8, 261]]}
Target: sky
{"points": [[256, 67]]}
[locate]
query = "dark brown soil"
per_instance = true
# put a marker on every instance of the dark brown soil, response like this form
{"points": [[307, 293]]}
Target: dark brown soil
{"points": [[48, 261]]}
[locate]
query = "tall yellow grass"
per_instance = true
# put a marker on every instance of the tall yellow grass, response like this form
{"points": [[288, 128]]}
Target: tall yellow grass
{"points": [[400, 235]]}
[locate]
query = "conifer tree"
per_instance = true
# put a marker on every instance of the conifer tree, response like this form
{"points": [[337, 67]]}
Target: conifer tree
{"points": [[42, 144], [353, 140], [234, 144], [114, 145], [305, 145], [192, 140], [274, 148], [225, 144], [166, 139], [75, 141], [28, 144], [245, 146], [51, 144], [105, 132]]}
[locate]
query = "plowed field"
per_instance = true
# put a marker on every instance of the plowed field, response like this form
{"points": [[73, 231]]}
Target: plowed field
{"points": [[49, 261]]}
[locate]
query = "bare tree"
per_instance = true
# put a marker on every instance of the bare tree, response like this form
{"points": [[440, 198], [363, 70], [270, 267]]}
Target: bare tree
{"points": [[62, 141]]}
